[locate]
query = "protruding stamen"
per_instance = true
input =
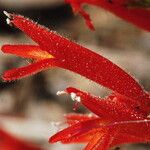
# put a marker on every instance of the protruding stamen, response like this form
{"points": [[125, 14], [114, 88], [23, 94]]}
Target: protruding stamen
{"points": [[8, 20], [61, 93], [7, 14], [75, 97]]}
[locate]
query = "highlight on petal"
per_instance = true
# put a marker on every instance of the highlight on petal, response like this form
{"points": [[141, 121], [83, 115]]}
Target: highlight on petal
{"points": [[82, 138], [27, 51], [138, 16], [18, 73], [94, 141], [75, 118], [107, 139]]}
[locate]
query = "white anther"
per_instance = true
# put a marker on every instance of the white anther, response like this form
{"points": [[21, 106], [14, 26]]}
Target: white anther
{"points": [[78, 99], [75, 97], [61, 93], [7, 14], [8, 21]]}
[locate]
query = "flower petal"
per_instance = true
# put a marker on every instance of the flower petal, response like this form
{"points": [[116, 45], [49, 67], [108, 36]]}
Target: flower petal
{"points": [[82, 138], [125, 138], [78, 9], [139, 128], [106, 139], [18, 73], [137, 16], [9, 142], [74, 118], [81, 60], [110, 109], [26, 51], [76, 129], [94, 141]]}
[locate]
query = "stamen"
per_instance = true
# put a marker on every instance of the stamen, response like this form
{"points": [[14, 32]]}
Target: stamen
{"points": [[61, 93], [7, 14], [8, 21], [75, 97]]}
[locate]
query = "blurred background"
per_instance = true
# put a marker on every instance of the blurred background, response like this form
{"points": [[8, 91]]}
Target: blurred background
{"points": [[30, 108]]}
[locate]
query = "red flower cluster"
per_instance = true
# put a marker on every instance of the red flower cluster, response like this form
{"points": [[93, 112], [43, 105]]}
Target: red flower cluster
{"points": [[122, 117], [139, 16]]}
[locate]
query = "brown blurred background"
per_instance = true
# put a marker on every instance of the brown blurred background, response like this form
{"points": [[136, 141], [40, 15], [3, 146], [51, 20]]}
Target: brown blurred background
{"points": [[29, 107]]}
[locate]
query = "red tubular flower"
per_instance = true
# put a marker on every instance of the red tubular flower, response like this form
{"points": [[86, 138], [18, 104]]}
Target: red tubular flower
{"points": [[9, 142], [117, 122], [117, 118], [139, 16]]}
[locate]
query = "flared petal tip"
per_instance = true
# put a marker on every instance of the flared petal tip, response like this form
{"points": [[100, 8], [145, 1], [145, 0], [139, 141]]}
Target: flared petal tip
{"points": [[70, 90], [7, 76], [53, 139], [4, 48], [50, 141], [90, 24]]}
